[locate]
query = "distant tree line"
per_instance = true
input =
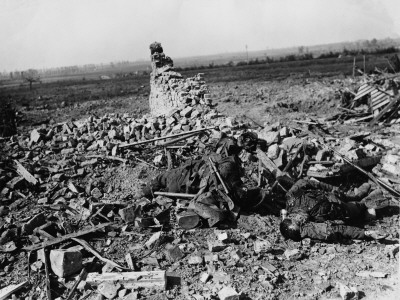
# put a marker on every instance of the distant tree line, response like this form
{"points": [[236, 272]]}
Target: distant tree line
{"points": [[296, 57]]}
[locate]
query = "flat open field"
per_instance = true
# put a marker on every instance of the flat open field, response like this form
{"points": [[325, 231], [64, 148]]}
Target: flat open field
{"points": [[82, 94]]}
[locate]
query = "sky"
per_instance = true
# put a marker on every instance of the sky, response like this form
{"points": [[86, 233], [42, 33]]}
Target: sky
{"points": [[53, 33]]}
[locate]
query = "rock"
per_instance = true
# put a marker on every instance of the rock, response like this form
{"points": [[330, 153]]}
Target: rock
{"points": [[391, 169], [154, 238], [293, 255], [204, 277], [228, 293], [173, 253], [284, 132], [216, 246], [33, 223], [270, 137], [348, 294], [65, 262], [222, 236], [36, 136], [109, 289], [195, 259], [236, 255], [262, 246], [131, 296], [211, 257], [128, 214], [96, 193], [273, 151], [186, 111], [122, 293]]}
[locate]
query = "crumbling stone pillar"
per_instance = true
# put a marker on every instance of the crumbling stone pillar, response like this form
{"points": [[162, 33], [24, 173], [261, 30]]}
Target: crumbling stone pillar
{"points": [[169, 91], [161, 98]]}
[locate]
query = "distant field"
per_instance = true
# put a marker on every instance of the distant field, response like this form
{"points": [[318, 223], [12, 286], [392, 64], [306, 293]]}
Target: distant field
{"points": [[58, 91]]}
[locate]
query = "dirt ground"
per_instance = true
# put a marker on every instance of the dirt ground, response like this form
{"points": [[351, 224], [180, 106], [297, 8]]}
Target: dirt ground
{"points": [[316, 275]]}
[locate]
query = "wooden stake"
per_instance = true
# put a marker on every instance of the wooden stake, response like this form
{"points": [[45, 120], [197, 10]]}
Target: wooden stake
{"points": [[47, 267], [178, 195], [65, 237], [166, 137]]}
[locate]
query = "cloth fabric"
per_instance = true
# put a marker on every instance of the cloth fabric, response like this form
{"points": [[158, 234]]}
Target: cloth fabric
{"points": [[321, 202], [196, 176], [330, 232]]}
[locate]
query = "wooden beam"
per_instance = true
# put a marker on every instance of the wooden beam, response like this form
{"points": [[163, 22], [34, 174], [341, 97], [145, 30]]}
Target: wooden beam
{"points": [[65, 237], [383, 111], [11, 289], [131, 280], [47, 271], [268, 163], [90, 249], [179, 195], [166, 137], [24, 173]]}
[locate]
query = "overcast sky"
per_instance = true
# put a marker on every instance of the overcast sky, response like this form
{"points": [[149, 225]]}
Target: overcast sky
{"points": [[50, 33]]}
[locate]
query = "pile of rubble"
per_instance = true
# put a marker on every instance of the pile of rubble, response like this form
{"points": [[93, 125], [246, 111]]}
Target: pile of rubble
{"points": [[377, 100], [52, 195]]}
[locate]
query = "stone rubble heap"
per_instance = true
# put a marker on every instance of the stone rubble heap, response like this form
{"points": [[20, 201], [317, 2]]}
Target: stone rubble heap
{"points": [[51, 185]]}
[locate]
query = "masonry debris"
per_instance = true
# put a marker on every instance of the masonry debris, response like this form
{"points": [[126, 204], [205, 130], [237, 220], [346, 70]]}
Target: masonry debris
{"points": [[205, 222]]}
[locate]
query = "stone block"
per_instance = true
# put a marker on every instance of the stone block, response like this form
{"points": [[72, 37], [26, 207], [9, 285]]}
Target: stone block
{"points": [[273, 151], [33, 223], [216, 246], [173, 253], [128, 214], [65, 262], [109, 289], [262, 246], [228, 293], [270, 137]]}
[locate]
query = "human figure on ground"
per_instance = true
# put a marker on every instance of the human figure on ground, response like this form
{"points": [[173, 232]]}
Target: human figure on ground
{"points": [[320, 211]]}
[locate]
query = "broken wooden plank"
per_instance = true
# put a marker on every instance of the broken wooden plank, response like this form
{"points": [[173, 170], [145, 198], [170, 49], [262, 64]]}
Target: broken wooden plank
{"points": [[358, 120], [46, 268], [108, 157], [166, 143], [24, 173], [268, 163], [365, 92], [11, 289], [179, 195], [165, 137], [383, 103], [90, 249], [131, 280], [384, 111], [81, 276], [65, 237]]}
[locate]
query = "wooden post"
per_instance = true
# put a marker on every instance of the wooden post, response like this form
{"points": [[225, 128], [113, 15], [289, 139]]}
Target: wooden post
{"points": [[365, 71], [354, 66]]}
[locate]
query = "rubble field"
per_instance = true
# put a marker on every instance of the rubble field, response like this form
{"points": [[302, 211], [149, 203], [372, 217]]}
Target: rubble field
{"points": [[74, 223]]}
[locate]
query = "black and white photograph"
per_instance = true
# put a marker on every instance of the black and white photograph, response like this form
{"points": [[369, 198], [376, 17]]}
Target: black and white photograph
{"points": [[199, 149]]}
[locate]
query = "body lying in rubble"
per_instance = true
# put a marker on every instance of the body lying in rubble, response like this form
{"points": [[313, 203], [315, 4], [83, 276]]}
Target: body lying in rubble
{"points": [[320, 211], [197, 177]]}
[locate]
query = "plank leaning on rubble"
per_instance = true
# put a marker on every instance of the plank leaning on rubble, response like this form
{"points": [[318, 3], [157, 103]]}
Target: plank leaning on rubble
{"points": [[166, 137], [11, 289], [131, 280], [90, 249], [24, 173], [65, 237]]}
